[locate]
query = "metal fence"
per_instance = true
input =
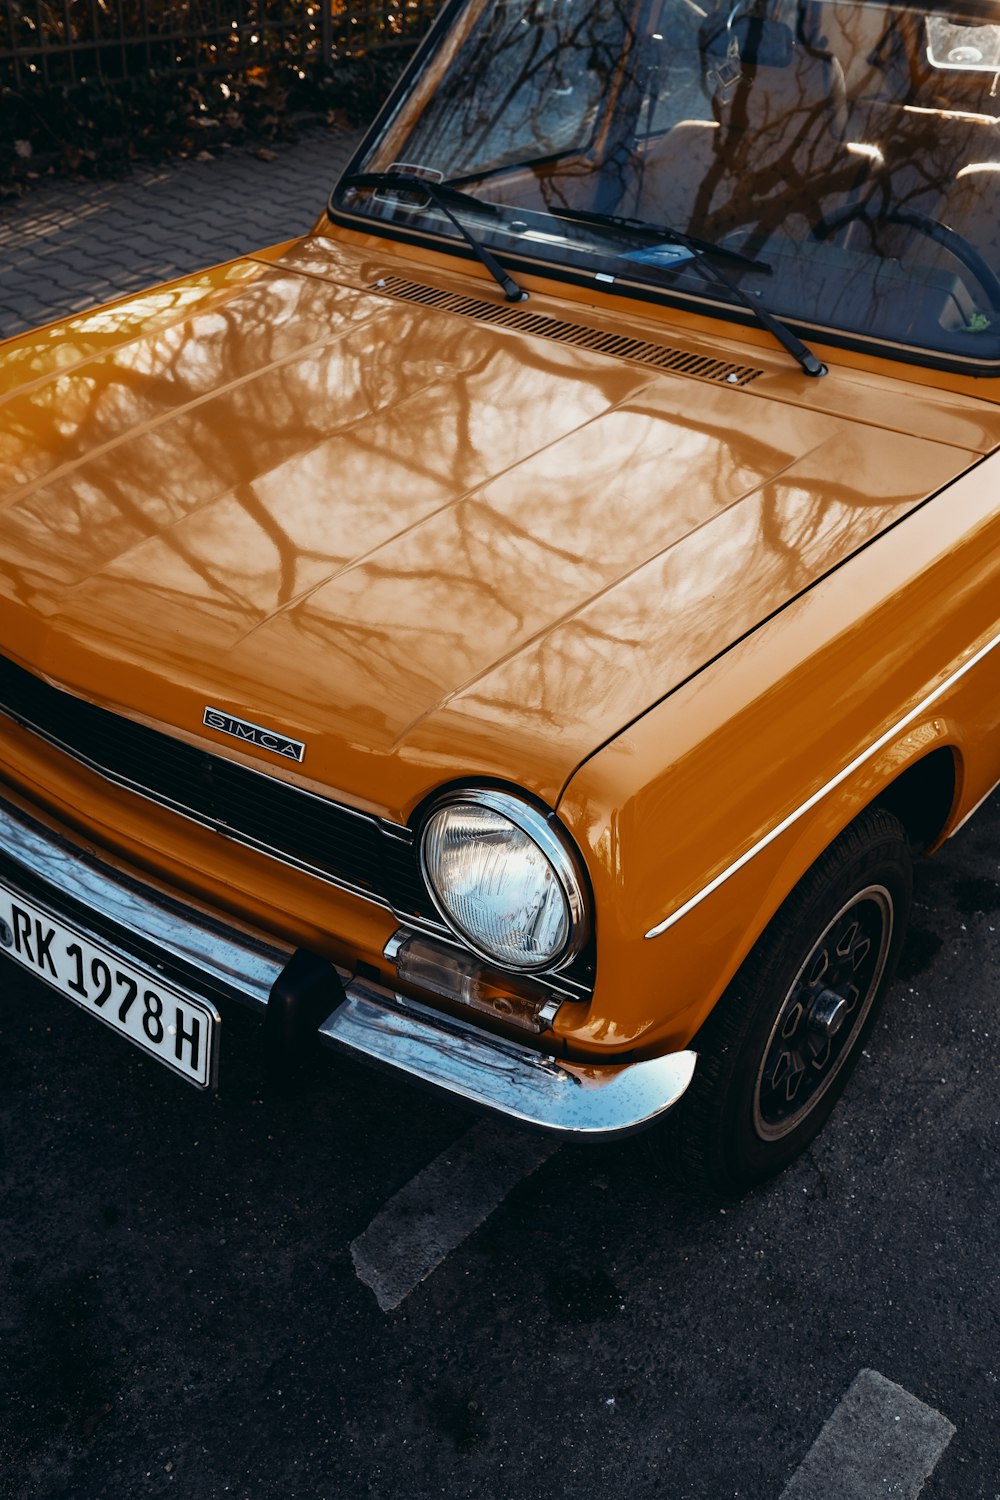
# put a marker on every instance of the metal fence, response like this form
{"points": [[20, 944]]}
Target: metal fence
{"points": [[65, 41]]}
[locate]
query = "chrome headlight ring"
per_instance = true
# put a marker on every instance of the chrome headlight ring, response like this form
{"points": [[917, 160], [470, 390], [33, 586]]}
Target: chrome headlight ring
{"points": [[548, 840]]}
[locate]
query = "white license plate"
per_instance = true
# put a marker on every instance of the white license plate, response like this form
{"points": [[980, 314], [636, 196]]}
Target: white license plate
{"points": [[175, 1028]]}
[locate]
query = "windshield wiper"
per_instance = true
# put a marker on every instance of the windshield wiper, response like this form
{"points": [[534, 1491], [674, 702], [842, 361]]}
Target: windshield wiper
{"points": [[702, 252], [439, 193], [663, 234]]}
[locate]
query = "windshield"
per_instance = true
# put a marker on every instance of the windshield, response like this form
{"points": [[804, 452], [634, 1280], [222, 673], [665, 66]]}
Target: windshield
{"points": [[851, 149]]}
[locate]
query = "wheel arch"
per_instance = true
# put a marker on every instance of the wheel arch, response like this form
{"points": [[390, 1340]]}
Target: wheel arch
{"points": [[924, 795], [918, 779]]}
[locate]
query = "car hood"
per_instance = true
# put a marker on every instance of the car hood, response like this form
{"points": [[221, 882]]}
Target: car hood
{"points": [[425, 546]]}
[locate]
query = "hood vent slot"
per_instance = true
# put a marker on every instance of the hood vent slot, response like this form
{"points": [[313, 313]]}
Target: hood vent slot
{"points": [[641, 351]]}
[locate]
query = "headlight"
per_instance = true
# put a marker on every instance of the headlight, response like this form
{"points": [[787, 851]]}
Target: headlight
{"points": [[504, 879]]}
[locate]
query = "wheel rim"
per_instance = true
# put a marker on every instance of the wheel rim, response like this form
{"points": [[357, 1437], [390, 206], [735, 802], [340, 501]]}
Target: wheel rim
{"points": [[823, 1012]]}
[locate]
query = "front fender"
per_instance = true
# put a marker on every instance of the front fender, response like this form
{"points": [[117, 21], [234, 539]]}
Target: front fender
{"points": [[699, 819]]}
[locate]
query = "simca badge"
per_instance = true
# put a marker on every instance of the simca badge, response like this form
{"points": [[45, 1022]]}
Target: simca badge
{"points": [[254, 734]]}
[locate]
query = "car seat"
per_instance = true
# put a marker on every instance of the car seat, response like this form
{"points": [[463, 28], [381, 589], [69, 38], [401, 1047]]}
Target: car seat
{"points": [[773, 157]]}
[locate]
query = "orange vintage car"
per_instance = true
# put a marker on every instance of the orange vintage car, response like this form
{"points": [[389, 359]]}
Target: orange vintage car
{"points": [[522, 632]]}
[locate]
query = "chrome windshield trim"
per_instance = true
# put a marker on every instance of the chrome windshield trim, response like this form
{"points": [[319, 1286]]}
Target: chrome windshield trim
{"points": [[829, 786], [686, 300]]}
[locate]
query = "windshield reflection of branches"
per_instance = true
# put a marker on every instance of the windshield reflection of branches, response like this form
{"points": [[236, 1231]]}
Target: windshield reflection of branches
{"points": [[830, 139], [527, 84]]}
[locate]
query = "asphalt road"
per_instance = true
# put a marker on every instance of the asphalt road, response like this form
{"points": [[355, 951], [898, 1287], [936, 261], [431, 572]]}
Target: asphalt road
{"points": [[192, 1284]]}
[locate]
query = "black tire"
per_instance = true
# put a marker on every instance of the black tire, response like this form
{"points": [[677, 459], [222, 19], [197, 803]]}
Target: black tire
{"points": [[777, 1050]]}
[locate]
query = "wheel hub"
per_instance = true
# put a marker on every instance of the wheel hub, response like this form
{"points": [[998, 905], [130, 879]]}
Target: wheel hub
{"points": [[823, 1012], [827, 1014]]}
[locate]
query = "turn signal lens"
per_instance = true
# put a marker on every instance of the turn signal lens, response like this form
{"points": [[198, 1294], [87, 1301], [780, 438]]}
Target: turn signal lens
{"points": [[432, 966]]}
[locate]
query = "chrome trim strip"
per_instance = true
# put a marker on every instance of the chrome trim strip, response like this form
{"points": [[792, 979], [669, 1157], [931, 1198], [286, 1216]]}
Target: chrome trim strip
{"points": [[835, 781], [392, 948], [399, 831], [205, 747], [548, 1013], [576, 1100], [233, 958], [224, 829]]}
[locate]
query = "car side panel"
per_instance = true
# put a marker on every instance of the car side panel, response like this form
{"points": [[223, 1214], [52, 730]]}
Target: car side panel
{"points": [[715, 769]]}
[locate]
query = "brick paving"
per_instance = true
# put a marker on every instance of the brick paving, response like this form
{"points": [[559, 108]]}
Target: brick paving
{"points": [[69, 245]]}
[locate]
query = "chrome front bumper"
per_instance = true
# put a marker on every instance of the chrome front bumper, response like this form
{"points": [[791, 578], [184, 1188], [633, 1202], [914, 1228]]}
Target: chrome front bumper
{"points": [[594, 1102], [215, 958], [197, 950]]}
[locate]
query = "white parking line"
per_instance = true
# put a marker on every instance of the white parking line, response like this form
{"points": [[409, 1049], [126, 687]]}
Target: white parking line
{"points": [[880, 1441], [442, 1205]]}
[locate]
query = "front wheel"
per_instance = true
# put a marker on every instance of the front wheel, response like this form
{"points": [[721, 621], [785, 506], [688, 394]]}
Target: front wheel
{"points": [[777, 1050]]}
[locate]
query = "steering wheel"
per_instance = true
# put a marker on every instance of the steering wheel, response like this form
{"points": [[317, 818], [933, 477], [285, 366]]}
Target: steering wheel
{"points": [[949, 239]]}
